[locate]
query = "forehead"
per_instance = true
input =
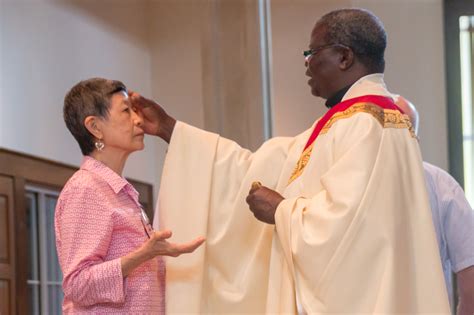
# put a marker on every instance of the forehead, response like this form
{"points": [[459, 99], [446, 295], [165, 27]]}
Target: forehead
{"points": [[119, 98], [317, 35]]}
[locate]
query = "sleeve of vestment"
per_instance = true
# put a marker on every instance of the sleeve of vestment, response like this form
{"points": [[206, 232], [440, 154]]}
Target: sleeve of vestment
{"points": [[85, 226], [205, 181]]}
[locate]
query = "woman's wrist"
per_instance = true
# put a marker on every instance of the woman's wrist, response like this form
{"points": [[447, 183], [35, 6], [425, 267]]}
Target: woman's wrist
{"points": [[133, 260]]}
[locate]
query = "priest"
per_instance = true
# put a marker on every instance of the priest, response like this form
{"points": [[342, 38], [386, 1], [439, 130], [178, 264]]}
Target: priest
{"points": [[339, 218]]}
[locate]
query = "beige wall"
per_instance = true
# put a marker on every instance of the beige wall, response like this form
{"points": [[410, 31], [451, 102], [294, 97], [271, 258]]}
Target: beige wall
{"points": [[199, 58], [294, 107], [46, 47], [414, 68], [176, 67], [175, 42], [206, 65]]}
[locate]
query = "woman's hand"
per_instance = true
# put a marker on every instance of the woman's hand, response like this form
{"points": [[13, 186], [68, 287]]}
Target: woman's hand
{"points": [[157, 245]]}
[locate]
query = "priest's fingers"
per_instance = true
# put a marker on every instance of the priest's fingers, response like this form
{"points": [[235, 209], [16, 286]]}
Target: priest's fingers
{"points": [[137, 100], [249, 199], [258, 194], [144, 104], [134, 98], [255, 186], [256, 197]]}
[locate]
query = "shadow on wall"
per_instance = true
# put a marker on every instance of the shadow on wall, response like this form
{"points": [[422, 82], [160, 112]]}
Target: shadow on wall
{"points": [[128, 18]]}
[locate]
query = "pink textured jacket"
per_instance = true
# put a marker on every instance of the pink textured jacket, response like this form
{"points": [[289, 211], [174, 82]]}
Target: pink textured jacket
{"points": [[97, 221]]}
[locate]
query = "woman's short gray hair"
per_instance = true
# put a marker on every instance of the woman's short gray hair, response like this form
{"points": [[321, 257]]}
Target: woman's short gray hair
{"points": [[88, 98]]}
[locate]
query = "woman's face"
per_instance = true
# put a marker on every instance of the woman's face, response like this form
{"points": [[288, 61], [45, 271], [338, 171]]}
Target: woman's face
{"points": [[122, 129]]}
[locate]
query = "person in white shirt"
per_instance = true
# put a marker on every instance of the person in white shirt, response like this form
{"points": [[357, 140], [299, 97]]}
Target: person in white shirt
{"points": [[453, 219]]}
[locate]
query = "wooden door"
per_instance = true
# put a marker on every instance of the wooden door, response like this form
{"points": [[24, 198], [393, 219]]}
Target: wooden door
{"points": [[7, 248]]}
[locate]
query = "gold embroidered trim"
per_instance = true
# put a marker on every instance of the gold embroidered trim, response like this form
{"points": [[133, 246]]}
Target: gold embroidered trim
{"points": [[304, 159], [388, 118]]}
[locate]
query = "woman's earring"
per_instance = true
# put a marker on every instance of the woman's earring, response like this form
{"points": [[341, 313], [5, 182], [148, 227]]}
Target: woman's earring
{"points": [[99, 145]]}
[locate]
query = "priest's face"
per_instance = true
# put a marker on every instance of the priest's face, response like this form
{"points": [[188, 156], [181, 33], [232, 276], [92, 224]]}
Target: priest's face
{"points": [[322, 64]]}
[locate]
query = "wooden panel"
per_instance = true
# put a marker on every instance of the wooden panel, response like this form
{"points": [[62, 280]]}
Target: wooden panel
{"points": [[4, 230], [7, 241], [5, 269], [34, 169], [5, 297]]}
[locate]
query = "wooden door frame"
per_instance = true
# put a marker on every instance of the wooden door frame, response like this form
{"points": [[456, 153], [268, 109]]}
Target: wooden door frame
{"points": [[27, 169], [453, 9]]}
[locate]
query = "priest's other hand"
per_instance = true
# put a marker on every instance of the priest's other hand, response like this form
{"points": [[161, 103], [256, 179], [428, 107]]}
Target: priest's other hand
{"points": [[263, 202], [155, 120]]}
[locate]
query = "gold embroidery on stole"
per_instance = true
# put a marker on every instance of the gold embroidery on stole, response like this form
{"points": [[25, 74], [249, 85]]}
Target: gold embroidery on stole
{"points": [[304, 159], [388, 118]]}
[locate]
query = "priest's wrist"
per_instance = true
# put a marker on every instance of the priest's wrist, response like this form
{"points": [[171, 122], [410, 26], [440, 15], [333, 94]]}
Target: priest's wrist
{"points": [[277, 202], [167, 128]]}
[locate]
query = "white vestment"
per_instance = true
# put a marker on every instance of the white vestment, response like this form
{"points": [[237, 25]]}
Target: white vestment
{"points": [[354, 234]]}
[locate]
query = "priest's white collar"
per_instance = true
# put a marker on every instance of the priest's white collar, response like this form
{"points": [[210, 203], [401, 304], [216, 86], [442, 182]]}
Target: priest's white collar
{"points": [[372, 84]]}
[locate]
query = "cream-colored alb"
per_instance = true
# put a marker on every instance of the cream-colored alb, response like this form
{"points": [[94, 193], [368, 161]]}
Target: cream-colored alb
{"points": [[353, 236]]}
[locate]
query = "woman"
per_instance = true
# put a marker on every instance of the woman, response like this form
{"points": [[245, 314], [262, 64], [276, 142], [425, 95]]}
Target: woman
{"points": [[108, 252]]}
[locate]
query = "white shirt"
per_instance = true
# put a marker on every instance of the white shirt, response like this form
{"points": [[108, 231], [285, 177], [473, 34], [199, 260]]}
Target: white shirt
{"points": [[453, 220]]}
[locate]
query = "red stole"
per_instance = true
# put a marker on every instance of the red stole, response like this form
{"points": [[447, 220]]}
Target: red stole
{"points": [[381, 101]]}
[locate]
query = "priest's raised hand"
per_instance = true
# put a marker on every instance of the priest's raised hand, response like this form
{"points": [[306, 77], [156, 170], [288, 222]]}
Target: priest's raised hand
{"points": [[155, 120]]}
